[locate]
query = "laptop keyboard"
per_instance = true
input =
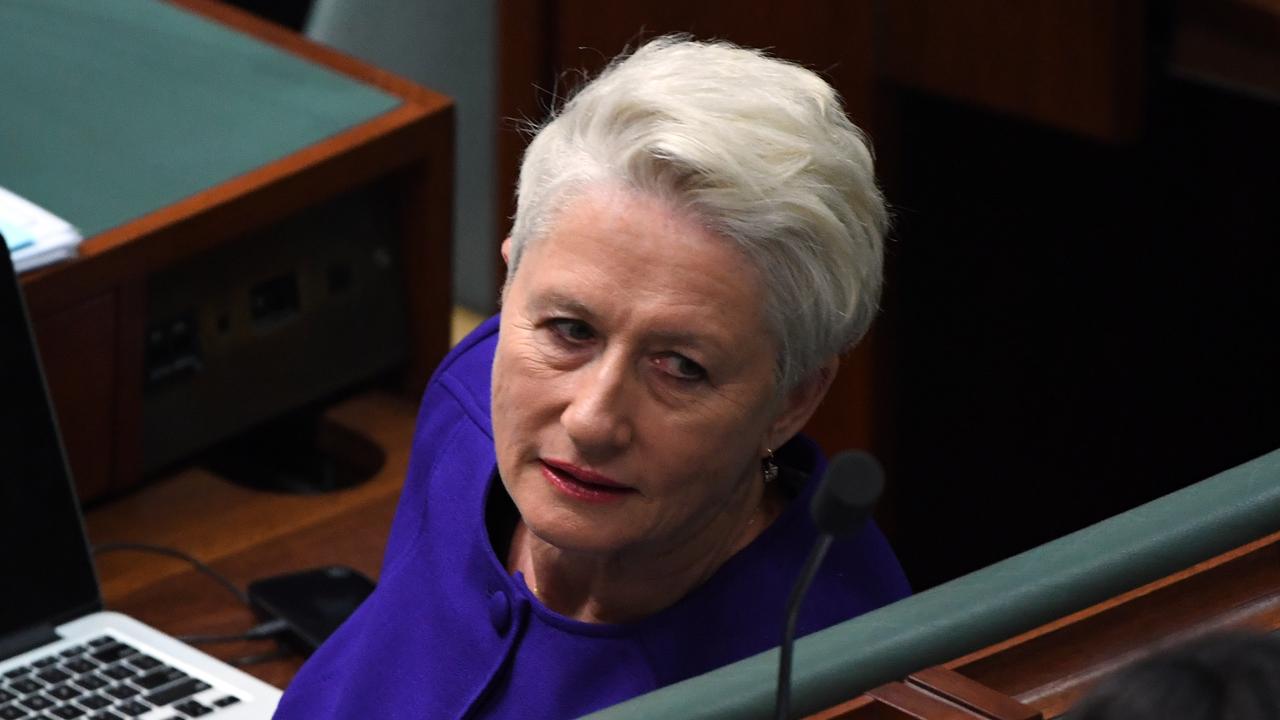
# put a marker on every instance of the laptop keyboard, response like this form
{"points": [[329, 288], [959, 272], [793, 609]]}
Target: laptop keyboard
{"points": [[103, 679]]}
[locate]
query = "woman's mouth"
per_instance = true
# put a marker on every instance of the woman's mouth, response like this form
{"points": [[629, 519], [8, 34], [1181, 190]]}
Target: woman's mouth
{"points": [[581, 484]]}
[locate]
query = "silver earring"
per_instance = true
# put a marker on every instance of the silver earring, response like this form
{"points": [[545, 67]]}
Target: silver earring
{"points": [[769, 467]]}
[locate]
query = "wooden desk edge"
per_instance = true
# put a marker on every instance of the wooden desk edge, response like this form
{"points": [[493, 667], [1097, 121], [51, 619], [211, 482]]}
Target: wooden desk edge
{"points": [[408, 148], [1261, 611], [398, 138]]}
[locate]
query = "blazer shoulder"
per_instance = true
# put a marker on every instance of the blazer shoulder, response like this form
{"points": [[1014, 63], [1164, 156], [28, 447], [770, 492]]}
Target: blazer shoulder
{"points": [[465, 373]]}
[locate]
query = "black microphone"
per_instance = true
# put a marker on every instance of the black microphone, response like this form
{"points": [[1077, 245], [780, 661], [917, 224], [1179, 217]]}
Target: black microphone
{"points": [[848, 491]]}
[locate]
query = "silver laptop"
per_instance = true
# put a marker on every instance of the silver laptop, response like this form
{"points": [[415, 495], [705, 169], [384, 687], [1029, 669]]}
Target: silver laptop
{"points": [[61, 655]]}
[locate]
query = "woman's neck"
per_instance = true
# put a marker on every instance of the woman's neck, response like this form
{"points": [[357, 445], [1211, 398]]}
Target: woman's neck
{"points": [[633, 584]]}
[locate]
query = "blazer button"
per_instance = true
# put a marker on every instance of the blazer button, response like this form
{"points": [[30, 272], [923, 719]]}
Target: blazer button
{"points": [[500, 611]]}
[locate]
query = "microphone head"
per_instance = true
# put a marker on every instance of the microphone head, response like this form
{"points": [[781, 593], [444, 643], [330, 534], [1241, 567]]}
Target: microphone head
{"points": [[847, 493]]}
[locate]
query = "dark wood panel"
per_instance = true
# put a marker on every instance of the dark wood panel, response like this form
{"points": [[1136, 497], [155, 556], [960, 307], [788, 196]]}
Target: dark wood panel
{"points": [[426, 229], [971, 695], [131, 328], [832, 37], [525, 72], [1231, 43], [1077, 66], [864, 708], [78, 351], [1052, 667], [844, 419], [918, 705]]}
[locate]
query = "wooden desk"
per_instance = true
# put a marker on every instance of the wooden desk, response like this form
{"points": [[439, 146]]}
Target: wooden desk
{"points": [[95, 306], [247, 534], [1040, 674]]}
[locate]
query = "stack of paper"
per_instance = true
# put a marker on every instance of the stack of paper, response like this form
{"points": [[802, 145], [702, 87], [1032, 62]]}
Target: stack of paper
{"points": [[34, 235]]}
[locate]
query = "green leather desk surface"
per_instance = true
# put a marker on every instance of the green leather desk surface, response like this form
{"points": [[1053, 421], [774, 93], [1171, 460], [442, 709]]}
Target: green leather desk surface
{"points": [[992, 604], [112, 109]]}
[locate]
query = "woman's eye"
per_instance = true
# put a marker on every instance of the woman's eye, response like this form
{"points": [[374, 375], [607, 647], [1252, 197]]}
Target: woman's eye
{"points": [[572, 330], [681, 367]]}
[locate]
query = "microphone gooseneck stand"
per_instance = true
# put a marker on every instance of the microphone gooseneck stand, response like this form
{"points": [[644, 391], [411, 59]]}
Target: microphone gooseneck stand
{"points": [[798, 592], [844, 499]]}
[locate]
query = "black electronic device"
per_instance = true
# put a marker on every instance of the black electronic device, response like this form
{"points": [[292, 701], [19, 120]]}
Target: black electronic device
{"points": [[51, 606], [313, 603], [50, 580], [248, 342]]}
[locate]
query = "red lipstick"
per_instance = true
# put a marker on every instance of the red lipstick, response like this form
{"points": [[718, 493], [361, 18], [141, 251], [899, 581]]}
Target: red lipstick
{"points": [[582, 484]]}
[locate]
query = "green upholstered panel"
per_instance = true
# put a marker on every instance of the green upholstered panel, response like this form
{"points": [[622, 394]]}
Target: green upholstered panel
{"points": [[112, 109], [992, 604]]}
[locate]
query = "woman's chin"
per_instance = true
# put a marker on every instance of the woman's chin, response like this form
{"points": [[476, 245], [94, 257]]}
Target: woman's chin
{"points": [[575, 533]]}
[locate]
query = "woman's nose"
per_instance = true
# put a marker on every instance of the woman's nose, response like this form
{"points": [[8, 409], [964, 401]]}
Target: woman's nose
{"points": [[598, 416]]}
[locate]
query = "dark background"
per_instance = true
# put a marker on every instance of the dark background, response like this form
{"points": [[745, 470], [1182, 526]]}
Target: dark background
{"points": [[1077, 327]]}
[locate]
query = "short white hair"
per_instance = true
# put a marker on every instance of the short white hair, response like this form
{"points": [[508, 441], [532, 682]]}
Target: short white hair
{"points": [[756, 148]]}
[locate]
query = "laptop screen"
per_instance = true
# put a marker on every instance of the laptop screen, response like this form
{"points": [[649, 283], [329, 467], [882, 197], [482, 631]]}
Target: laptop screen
{"points": [[46, 573]]}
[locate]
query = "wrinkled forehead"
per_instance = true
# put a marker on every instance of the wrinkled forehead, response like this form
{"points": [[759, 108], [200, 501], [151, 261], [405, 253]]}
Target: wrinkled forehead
{"points": [[644, 239], [632, 251], [611, 197]]}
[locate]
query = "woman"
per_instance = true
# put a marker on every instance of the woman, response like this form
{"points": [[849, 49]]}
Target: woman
{"points": [[606, 493]]}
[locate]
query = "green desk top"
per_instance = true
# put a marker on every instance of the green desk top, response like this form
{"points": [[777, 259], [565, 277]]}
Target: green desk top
{"points": [[115, 108]]}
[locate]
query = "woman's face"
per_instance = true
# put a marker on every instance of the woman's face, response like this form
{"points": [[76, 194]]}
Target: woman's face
{"points": [[633, 389]]}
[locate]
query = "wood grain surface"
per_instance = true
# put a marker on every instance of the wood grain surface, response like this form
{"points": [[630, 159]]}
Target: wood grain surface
{"points": [[247, 534], [1052, 667]]}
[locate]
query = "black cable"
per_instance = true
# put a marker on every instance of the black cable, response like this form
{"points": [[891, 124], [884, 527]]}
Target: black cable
{"points": [[258, 632], [277, 654], [174, 553]]}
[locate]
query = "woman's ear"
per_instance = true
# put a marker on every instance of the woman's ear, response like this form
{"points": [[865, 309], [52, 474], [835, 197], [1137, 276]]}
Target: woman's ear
{"points": [[801, 402], [506, 252]]}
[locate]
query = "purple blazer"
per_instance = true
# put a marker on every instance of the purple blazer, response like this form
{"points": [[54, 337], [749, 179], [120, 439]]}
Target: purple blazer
{"points": [[449, 633]]}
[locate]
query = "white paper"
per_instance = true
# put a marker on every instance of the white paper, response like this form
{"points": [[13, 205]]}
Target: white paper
{"points": [[34, 236]]}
